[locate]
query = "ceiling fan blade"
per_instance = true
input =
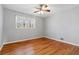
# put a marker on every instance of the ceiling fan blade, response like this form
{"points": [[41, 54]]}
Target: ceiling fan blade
{"points": [[48, 10], [36, 11]]}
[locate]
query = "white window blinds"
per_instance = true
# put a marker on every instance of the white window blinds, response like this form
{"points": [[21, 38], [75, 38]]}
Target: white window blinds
{"points": [[23, 22]]}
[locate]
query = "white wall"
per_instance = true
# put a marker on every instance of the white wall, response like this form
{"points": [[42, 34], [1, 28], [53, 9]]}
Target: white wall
{"points": [[10, 33], [64, 25], [1, 22]]}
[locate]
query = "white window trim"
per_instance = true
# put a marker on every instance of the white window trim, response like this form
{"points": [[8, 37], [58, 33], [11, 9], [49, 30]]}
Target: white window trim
{"points": [[32, 20]]}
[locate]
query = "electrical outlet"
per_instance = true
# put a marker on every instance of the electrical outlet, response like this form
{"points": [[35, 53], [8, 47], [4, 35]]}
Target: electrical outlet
{"points": [[61, 38]]}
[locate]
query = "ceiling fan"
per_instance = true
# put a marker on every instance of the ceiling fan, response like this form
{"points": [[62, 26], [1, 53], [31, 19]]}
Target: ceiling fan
{"points": [[43, 8]]}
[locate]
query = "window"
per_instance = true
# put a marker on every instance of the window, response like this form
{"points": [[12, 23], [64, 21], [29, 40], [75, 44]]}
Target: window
{"points": [[23, 22]]}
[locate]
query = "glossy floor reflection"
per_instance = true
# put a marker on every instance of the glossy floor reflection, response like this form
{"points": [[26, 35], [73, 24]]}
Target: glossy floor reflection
{"points": [[40, 46]]}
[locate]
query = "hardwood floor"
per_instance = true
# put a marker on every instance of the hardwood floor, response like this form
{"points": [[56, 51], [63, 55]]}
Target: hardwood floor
{"points": [[40, 46]]}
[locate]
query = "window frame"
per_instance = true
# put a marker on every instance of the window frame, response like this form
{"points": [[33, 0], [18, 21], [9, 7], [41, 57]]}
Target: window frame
{"points": [[30, 21]]}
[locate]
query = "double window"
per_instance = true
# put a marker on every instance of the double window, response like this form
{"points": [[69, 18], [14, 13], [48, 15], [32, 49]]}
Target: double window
{"points": [[23, 22]]}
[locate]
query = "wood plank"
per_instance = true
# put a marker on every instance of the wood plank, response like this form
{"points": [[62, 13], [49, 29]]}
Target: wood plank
{"points": [[40, 46]]}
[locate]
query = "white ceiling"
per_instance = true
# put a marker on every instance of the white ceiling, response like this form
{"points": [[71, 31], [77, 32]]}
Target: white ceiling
{"points": [[29, 8]]}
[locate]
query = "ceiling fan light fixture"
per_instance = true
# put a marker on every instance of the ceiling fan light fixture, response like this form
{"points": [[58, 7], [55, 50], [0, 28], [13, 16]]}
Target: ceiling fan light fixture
{"points": [[42, 9]]}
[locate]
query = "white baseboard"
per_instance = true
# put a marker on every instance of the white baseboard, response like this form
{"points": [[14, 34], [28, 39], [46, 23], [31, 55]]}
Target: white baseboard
{"points": [[63, 41], [41, 37], [21, 40]]}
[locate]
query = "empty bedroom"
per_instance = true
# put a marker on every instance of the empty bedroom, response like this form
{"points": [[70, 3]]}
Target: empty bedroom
{"points": [[39, 29]]}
